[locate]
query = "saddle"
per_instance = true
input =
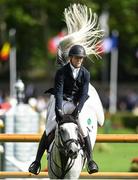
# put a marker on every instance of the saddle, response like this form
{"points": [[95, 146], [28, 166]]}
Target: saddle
{"points": [[50, 91]]}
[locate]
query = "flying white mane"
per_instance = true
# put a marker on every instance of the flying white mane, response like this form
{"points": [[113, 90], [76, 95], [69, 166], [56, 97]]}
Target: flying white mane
{"points": [[83, 29]]}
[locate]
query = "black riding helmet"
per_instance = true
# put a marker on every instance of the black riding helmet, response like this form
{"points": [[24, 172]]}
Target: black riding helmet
{"points": [[77, 50]]}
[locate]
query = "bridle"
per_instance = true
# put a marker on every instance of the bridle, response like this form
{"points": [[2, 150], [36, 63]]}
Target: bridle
{"points": [[63, 147]]}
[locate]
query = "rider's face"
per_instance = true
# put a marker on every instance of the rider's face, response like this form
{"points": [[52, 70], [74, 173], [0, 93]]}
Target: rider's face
{"points": [[76, 61]]}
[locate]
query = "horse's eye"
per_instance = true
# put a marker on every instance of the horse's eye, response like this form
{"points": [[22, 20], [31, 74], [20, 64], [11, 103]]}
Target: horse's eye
{"points": [[77, 130], [61, 130]]}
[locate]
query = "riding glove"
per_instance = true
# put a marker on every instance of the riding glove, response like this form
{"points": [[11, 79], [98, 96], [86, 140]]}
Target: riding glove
{"points": [[59, 114]]}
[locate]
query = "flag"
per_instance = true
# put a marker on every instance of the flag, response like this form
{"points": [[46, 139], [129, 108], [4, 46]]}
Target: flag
{"points": [[108, 44], [5, 51], [54, 42], [114, 37]]}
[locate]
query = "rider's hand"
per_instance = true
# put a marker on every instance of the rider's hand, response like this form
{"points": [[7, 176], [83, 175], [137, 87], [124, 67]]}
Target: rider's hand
{"points": [[75, 113], [59, 115]]}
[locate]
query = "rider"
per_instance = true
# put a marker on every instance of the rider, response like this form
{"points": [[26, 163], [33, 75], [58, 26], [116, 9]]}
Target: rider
{"points": [[71, 85]]}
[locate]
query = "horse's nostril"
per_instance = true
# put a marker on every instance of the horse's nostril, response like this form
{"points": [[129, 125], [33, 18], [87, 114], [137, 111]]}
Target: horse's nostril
{"points": [[72, 154], [70, 151]]}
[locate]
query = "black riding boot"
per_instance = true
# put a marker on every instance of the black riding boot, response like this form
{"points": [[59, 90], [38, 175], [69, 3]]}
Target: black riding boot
{"points": [[92, 166], [44, 144]]}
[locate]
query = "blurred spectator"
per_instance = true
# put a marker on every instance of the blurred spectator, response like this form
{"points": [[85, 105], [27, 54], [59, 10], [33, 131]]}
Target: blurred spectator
{"points": [[32, 101], [1, 97], [135, 110], [41, 104], [122, 103], [132, 99], [128, 101], [5, 105], [29, 92]]}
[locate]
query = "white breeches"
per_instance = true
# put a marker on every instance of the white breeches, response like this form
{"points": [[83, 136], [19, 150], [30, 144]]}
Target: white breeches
{"points": [[68, 108], [91, 114]]}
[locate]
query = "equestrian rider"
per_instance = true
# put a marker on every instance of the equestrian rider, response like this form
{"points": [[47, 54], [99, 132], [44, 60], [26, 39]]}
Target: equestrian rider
{"points": [[71, 87]]}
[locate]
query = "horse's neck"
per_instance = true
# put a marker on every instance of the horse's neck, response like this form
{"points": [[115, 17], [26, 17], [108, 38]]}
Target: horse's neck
{"points": [[56, 153]]}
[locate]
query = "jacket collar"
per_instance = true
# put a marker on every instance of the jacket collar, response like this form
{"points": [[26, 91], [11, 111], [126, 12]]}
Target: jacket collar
{"points": [[73, 68], [70, 71]]}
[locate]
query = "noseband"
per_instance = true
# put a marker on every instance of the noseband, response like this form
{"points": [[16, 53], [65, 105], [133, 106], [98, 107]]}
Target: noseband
{"points": [[65, 144]]}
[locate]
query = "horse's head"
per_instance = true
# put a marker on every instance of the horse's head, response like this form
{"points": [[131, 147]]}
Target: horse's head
{"points": [[67, 136]]}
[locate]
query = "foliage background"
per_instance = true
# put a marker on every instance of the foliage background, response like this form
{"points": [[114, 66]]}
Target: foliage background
{"points": [[37, 21]]}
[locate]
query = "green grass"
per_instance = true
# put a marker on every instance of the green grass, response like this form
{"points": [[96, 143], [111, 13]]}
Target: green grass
{"points": [[111, 130], [44, 161], [115, 157]]}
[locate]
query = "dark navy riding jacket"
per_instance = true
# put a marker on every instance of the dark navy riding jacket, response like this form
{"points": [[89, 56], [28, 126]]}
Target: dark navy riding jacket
{"points": [[66, 87]]}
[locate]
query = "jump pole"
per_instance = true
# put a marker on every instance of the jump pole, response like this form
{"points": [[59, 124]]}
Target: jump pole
{"points": [[84, 175], [101, 138]]}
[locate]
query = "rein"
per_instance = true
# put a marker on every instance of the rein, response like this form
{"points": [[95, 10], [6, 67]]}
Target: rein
{"points": [[64, 171], [62, 147]]}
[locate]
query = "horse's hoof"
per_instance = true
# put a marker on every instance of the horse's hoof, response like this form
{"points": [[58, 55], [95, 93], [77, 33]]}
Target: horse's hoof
{"points": [[35, 168], [92, 167]]}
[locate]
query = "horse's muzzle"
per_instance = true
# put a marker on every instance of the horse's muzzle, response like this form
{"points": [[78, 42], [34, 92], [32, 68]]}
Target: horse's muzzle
{"points": [[72, 155], [73, 150]]}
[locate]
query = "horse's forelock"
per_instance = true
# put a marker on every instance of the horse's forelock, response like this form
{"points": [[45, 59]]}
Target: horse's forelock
{"points": [[68, 118]]}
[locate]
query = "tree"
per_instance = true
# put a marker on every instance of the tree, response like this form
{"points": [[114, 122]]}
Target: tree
{"points": [[36, 21]]}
